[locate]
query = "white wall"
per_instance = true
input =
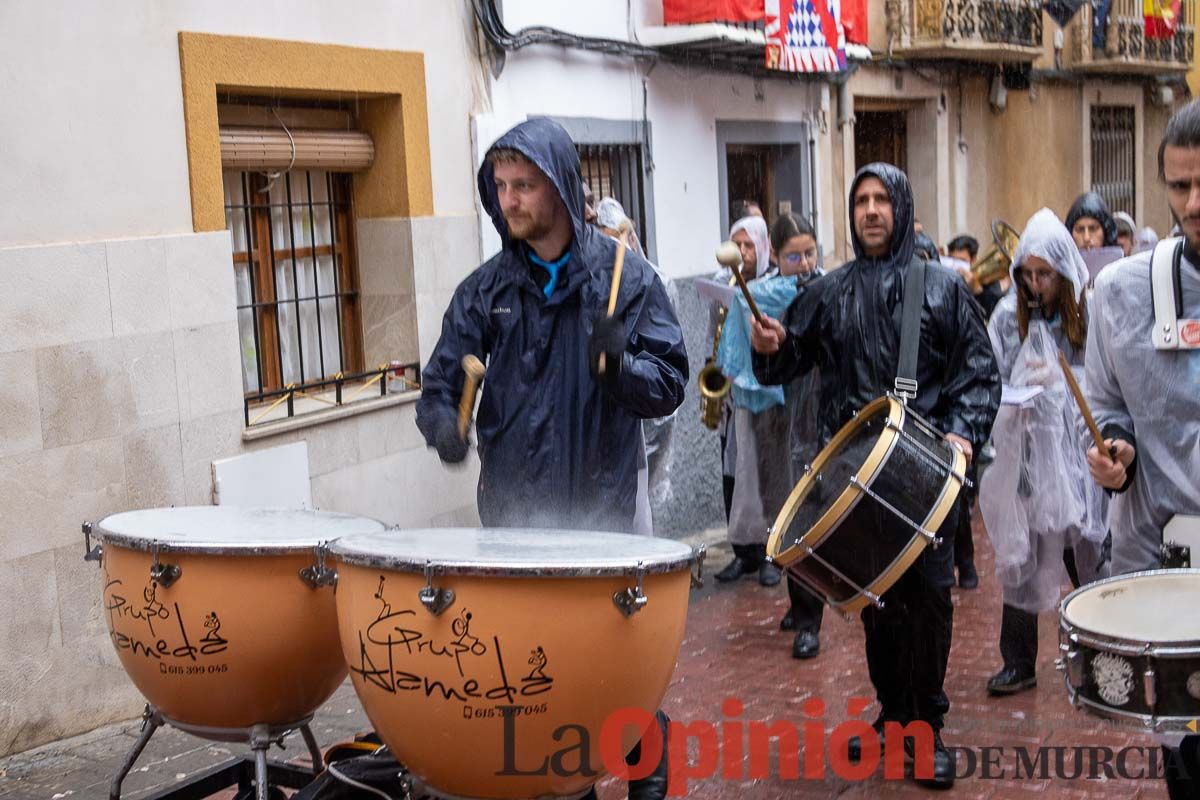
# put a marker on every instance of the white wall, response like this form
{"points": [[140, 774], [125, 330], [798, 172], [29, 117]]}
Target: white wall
{"points": [[91, 110], [682, 106]]}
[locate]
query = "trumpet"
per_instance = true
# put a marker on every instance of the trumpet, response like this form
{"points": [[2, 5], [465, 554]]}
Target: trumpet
{"points": [[993, 265], [714, 385]]}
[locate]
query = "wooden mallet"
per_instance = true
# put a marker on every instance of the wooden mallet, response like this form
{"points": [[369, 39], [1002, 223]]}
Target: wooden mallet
{"points": [[1073, 385], [728, 255], [622, 244], [474, 370]]}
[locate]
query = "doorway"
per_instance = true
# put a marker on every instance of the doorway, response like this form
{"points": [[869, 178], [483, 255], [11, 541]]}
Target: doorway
{"points": [[880, 136]]}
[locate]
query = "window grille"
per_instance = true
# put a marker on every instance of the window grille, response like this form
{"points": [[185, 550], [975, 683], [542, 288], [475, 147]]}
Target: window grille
{"points": [[1114, 161], [297, 289], [615, 170]]}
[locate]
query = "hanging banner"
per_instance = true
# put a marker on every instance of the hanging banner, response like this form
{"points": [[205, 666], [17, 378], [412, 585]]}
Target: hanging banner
{"points": [[1162, 18], [694, 12], [805, 36]]}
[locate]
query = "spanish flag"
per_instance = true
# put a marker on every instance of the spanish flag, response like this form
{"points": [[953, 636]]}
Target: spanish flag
{"points": [[1162, 18]]}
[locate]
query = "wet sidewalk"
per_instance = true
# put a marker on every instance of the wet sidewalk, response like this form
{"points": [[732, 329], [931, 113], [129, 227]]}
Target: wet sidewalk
{"points": [[733, 648]]}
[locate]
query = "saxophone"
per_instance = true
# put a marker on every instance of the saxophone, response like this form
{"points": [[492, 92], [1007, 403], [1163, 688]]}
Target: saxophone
{"points": [[714, 385]]}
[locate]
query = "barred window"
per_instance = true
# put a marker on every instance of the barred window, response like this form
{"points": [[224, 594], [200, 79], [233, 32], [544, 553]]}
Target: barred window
{"points": [[297, 288], [615, 170], [1114, 162]]}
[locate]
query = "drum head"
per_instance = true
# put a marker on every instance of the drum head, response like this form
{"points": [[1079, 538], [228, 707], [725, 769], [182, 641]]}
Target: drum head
{"points": [[1139, 608], [844, 457], [499, 551], [216, 529]]}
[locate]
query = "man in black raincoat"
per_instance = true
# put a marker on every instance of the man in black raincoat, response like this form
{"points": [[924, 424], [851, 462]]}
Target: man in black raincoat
{"points": [[1090, 222], [559, 438], [559, 443], [848, 325]]}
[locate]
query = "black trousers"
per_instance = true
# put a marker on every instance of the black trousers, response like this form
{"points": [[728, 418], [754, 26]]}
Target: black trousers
{"points": [[1182, 768], [807, 608], [964, 544], [1019, 629], [908, 647], [654, 785]]}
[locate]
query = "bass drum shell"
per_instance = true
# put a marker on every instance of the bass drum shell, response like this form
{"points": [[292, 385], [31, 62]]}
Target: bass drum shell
{"points": [[556, 648], [859, 542], [238, 639]]}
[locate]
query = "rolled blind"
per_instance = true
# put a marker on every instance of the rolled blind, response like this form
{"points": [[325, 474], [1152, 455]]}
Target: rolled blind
{"points": [[270, 149]]}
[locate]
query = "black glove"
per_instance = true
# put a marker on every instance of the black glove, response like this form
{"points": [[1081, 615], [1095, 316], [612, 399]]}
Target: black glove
{"points": [[451, 448], [608, 337]]}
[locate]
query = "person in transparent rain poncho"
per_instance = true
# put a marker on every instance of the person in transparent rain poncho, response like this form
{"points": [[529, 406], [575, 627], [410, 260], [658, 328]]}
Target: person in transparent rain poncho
{"points": [[1044, 514], [1146, 399]]}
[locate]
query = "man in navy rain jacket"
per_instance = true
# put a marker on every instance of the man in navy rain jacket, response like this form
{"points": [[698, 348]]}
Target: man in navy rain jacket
{"points": [[559, 441]]}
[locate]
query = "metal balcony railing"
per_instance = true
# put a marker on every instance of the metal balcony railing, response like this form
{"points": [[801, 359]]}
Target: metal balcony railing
{"points": [[982, 30]]}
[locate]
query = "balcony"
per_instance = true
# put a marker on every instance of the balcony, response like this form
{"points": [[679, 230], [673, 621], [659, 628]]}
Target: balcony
{"points": [[992, 31], [1127, 49]]}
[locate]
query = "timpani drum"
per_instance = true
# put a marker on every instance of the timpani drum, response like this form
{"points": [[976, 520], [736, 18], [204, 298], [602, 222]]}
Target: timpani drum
{"points": [[1131, 648], [224, 618], [868, 505], [478, 654]]}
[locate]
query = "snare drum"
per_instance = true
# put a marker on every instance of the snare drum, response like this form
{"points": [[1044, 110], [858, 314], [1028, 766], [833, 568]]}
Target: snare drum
{"points": [[478, 653], [224, 617], [1131, 646], [867, 507]]}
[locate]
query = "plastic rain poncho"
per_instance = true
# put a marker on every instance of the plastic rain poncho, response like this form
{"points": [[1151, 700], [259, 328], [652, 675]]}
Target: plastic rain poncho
{"points": [[1149, 397], [761, 417], [1037, 496]]}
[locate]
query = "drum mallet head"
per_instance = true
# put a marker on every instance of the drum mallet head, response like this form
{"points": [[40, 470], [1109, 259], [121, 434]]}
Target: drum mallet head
{"points": [[473, 366], [728, 255]]}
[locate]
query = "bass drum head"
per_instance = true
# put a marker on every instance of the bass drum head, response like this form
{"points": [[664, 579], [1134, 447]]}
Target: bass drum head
{"points": [[1138, 608], [228, 529], [499, 551], [823, 486]]}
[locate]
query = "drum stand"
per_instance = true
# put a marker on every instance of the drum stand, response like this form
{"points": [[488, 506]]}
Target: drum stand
{"points": [[259, 737]]}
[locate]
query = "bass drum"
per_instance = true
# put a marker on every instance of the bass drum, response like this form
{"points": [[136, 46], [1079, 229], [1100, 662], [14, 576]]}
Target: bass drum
{"points": [[868, 506], [489, 660], [224, 617], [1131, 645]]}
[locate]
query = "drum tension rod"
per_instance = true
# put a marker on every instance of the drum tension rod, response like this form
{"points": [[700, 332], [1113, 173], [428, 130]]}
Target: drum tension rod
{"points": [[875, 599], [698, 576], [631, 600], [434, 599], [933, 538], [935, 462], [90, 552], [162, 573], [318, 575]]}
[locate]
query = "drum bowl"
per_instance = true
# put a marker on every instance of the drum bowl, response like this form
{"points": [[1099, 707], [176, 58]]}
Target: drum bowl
{"points": [[556, 648], [236, 640]]}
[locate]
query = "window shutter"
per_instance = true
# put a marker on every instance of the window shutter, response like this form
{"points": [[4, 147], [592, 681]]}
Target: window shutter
{"points": [[270, 149]]}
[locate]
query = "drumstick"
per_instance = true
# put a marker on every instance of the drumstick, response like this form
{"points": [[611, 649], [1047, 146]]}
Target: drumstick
{"points": [[474, 370], [616, 279], [1083, 406], [728, 255]]}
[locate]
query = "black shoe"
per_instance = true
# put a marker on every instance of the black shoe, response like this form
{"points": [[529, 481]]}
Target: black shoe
{"points": [[1010, 681], [788, 623], [736, 569], [968, 578], [654, 785], [854, 743], [768, 574], [806, 645], [943, 764]]}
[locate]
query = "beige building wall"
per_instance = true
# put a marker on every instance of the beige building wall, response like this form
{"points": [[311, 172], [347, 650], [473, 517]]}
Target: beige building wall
{"points": [[120, 378]]}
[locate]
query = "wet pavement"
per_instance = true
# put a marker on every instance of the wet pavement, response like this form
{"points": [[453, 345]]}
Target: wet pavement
{"points": [[734, 649]]}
